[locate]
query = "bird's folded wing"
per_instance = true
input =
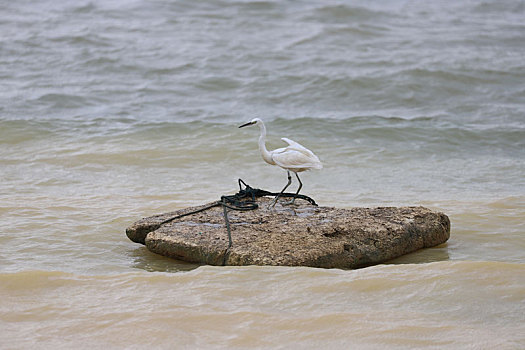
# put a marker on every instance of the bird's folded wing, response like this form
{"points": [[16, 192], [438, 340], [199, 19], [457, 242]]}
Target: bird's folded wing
{"points": [[297, 146], [293, 159]]}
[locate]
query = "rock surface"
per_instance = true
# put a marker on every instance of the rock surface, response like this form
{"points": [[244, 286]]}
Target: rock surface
{"points": [[300, 235]]}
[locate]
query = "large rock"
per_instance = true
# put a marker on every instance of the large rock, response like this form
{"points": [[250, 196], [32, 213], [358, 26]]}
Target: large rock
{"points": [[300, 235]]}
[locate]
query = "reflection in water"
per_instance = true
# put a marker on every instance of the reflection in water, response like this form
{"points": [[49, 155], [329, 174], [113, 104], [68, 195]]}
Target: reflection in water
{"points": [[145, 260], [423, 256], [114, 111]]}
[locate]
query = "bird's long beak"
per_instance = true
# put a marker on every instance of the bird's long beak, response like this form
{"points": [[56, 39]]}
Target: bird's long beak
{"points": [[247, 124]]}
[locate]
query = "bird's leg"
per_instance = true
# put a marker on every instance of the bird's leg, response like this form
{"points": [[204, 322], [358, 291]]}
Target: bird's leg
{"points": [[285, 187], [300, 186], [296, 193]]}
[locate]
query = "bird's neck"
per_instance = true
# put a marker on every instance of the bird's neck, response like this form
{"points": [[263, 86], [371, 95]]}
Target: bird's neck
{"points": [[266, 155]]}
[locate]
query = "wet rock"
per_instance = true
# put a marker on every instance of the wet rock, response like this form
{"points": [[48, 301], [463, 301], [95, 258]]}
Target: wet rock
{"points": [[300, 235]]}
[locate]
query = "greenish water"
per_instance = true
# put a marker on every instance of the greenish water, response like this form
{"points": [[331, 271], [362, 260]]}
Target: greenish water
{"points": [[113, 112]]}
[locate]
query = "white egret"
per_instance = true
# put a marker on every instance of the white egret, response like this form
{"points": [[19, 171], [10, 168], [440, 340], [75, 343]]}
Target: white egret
{"points": [[295, 157]]}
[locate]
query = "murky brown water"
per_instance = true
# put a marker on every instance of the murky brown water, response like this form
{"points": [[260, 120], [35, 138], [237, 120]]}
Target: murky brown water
{"points": [[113, 112]]}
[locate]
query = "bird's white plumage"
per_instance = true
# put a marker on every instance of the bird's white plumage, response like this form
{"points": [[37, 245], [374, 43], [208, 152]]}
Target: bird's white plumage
{"points": [[295, 157], [294, 160], [298, 147]]}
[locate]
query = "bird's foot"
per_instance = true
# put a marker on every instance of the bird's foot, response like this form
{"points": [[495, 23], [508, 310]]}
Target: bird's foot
{"points": [[292, 202], [271, 205], [274, 202]]}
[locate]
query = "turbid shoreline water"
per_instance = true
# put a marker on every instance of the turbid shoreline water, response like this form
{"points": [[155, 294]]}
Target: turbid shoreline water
{"points": [[110, 112]]}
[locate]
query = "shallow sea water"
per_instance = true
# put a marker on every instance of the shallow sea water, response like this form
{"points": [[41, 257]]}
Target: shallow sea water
{"points": [[110, 112]]}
